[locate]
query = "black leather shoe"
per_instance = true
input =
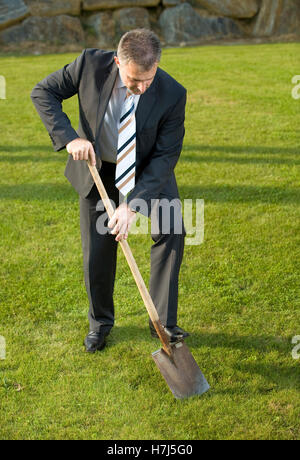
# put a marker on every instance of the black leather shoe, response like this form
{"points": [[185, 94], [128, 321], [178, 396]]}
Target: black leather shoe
{"points": [[95, 341], [174, 333]]}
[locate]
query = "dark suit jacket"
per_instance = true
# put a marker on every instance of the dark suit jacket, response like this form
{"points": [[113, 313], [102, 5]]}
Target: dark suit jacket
{"points": [[159, 121]]}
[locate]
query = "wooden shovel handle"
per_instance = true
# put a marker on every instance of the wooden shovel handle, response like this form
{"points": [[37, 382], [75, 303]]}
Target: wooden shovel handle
{"points": [[133, 266]]}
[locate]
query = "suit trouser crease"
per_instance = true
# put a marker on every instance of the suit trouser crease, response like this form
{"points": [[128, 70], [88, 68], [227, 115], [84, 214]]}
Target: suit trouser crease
{"points": [[166, 258]]}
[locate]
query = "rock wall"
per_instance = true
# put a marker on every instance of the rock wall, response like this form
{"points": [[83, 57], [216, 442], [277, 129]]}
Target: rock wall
{"points": [[73, 24]]}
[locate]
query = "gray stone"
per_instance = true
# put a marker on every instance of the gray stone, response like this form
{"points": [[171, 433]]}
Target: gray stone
{"points": [[12, 11], [92, 5], [277, 17], [53, 7], [130, 18], [289, 18], [230, 8], [102, 27], [55, 30], [168, 3], [183, 24], [264, 23]]}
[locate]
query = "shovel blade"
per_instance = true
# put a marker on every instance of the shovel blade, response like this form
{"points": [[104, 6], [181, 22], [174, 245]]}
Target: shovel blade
{"points": [[181, 372]]}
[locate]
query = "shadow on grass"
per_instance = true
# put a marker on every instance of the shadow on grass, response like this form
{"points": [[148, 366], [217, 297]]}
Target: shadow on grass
{"points": [[276, 376], [16, 154], [36, 153], [261, 343], [241, 193], [39, 192], [25, 148], [215, 193], [231, 154]]}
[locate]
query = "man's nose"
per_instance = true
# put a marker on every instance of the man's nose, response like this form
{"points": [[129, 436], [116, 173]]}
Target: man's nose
{"points": [[142, 87]]}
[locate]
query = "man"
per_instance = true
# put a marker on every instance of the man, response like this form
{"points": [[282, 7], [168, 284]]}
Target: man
{"points": [[131, 127]]}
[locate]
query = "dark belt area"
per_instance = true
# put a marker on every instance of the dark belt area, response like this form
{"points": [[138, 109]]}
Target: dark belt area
{"points": [[108, 169]]}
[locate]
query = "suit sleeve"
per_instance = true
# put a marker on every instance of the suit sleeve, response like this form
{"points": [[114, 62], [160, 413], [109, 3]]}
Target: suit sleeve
{"points": [[164, 157], [48, 96]]}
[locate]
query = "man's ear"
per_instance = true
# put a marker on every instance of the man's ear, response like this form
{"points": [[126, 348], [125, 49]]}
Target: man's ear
{"points": [[117, 61]]}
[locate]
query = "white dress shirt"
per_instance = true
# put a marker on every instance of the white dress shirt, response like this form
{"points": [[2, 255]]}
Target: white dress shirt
{"points": [[109, 131]]}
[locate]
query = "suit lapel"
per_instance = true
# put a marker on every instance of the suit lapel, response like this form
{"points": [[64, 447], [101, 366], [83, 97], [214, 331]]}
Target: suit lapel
{"points": [[145, 106], [105, 92]]}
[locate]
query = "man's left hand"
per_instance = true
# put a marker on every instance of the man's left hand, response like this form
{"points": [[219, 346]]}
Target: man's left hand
{"points": [[121, 222]]}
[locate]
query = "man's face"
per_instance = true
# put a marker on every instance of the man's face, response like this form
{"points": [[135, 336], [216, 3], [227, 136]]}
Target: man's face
{"points": [[134, 77]]}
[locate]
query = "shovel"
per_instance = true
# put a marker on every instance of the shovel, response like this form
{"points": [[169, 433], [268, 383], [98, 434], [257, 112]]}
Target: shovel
{"points": [[174, 360]]}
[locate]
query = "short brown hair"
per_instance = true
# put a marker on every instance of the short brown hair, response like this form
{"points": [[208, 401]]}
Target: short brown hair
{"points": [[141, 46]]}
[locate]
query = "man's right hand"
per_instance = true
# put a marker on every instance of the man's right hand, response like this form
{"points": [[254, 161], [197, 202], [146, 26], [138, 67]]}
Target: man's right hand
{"points": [[81, 149]]}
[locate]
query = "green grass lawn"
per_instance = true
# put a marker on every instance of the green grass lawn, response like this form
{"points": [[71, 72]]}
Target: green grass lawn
{"points": [[239, 289]]}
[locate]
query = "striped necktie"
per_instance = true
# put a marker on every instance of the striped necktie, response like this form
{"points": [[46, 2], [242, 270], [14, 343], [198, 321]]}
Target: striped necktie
{"points": [[125, 169]]}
